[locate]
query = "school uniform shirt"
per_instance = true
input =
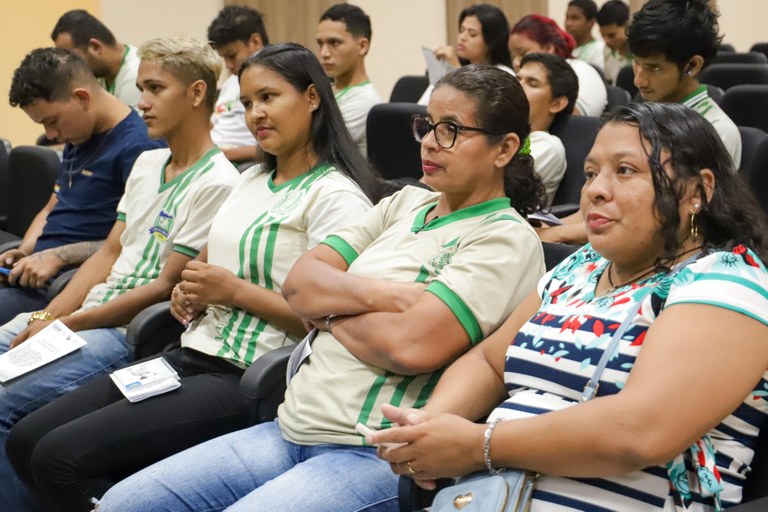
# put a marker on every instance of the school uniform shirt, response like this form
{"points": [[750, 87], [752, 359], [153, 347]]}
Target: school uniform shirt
{"points": [[614, 61], [355, 102], [124, 85], [163, 217], [554, 354], [549, 161], [591, 53], [700, 101], [592, 97], [258, 234], [228, 118], [481, 261]]}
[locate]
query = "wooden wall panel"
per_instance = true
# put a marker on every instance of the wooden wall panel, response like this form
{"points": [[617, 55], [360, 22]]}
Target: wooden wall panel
{"points": [[290, 20], [513, 9]]}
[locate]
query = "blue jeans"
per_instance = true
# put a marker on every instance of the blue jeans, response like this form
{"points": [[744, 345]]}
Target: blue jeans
{"points": [[106, 350], [256, 469], [16, 300]]}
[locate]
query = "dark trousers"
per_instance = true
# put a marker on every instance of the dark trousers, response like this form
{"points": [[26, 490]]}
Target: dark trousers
{"points": [[79, 445], [15, 300]]}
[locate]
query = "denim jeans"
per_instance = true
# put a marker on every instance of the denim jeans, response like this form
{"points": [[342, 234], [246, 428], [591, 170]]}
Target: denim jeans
{"points": [[256, 469], [105, 351], [16, 300]]}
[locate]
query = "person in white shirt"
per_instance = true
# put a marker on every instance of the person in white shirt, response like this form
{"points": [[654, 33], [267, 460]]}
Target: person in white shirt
{"points": [[343, 40], [482, 39], [535, 33], [551, 87], [579, 21], [613, 18], [115, 64], [236, 33]]}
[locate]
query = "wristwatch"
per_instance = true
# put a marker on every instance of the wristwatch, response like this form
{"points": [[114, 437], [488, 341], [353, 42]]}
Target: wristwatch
{"points": [[40, 315]]}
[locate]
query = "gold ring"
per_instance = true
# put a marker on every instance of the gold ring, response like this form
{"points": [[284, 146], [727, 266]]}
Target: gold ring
{"points": [[410, 468]]}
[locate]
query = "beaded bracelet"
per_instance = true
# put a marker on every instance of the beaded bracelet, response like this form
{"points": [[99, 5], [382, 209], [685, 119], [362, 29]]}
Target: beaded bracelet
{"points": [[487, 447]]}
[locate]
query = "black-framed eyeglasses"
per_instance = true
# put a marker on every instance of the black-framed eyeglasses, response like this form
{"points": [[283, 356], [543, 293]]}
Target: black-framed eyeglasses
{"points": [[446, 132]]}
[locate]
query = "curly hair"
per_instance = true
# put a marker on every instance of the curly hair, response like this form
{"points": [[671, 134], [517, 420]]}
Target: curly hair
{"points": [[502, 108], [677, 29], [732, 216], [48, 74]]}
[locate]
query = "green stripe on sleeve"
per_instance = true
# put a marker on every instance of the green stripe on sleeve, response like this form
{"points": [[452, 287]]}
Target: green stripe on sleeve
{"points": [[459, 308], [340, 245], [121, 216], [186, 251]]}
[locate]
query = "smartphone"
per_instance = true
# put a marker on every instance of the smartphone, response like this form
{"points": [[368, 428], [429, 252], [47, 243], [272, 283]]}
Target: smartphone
{"points": [[5, 271], [365, 430]]}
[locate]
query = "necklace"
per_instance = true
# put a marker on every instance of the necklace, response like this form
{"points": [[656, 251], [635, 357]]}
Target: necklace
{"points": [[613, 287], [91, 159]]}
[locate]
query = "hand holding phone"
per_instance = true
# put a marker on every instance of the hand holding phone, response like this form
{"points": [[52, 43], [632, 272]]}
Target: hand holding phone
{"points": [[365, 431]]}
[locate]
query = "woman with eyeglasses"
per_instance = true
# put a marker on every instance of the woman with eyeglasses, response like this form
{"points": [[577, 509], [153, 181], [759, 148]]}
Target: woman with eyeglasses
{"points": [[418, 281]]}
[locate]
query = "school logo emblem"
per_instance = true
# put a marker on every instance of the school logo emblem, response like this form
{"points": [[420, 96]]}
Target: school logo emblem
{"points": [[290, 200], [162, 226], [443, 257]]}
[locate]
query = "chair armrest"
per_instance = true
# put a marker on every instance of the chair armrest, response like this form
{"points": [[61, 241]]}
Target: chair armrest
{"points": [[58, 284], [759, 505], [152, 330], [264, 384], [7, 246], [563, 210]]}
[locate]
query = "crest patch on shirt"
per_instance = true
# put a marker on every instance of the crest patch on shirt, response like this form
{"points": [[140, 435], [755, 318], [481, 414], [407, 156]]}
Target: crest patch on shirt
{"points": [[162, 227], [288, 203], [442, 258]]}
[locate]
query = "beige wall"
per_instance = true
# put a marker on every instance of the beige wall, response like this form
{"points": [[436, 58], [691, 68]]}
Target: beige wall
{"points": [[400, 28], [24, 26]]}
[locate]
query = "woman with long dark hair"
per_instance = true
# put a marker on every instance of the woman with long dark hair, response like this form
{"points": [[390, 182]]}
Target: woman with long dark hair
{"points": [[312, 181]]}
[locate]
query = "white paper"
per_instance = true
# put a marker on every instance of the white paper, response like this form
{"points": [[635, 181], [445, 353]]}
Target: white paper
{"points": [[146, 379], [436, 68], [53, 342]]}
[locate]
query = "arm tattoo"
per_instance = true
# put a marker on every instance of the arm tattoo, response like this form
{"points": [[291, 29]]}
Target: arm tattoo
{"points": [[75, 254]]}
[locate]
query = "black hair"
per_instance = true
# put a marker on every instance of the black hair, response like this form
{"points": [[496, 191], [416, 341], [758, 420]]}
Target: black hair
{"points": [[236, 23], [82, 26], [329, 135], [48, 74], [732, 216], [613, 12], [562, 80], [358, 23], [588, 7], [495, 29], [502, 108], [677, 29]]}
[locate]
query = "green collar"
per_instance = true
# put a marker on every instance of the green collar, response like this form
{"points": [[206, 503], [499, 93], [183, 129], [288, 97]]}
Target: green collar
{"points": [[201, 162], [319, 168], [111, 87], [348, 88], [475, 210]]}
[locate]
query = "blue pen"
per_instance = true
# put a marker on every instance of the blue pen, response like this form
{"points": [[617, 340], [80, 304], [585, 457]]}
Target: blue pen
{"points": [[5, 271]]}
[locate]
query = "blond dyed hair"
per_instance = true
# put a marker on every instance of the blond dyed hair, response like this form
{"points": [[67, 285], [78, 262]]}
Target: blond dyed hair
{"points": [[187, 58]]}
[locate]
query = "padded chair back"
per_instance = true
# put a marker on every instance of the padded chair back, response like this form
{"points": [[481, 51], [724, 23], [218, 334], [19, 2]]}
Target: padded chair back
{"points": [[616, 96], [716, 93], [739, 58], [726, 47], [32, 173], [726, 76], [409, 88], [577, 135], [626, 80], [758, 175], [750, 140], [4, 150], [760, 47], [392, 150], [555, 253], [747, 105]]}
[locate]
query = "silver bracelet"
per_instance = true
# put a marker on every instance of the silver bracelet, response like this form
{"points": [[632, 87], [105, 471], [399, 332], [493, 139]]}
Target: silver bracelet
{"points": [[487, 448], [328, 321]]}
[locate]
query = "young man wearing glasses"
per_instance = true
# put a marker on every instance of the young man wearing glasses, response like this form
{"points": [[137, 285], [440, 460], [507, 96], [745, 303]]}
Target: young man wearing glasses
{"points": [[343, 40]]}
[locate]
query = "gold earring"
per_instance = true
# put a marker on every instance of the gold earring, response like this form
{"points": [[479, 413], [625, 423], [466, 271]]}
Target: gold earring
{"points": [[694, 227]]}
